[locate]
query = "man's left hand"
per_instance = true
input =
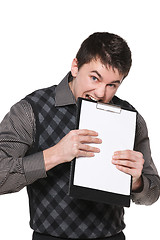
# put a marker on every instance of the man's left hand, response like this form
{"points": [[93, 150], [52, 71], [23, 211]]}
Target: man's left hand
{"points": [[130, 162]]}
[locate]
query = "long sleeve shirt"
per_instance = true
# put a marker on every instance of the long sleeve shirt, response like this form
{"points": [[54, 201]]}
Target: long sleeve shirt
{"points": [[17, 134]]}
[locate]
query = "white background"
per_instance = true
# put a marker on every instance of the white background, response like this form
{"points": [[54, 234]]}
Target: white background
{"points": [[39, 39]]}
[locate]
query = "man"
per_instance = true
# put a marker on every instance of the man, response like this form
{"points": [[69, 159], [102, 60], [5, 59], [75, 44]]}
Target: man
{"points": [[38, 142]]}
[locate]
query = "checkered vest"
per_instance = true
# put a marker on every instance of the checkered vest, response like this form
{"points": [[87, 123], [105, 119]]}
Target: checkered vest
{"points": [[52, 210]]}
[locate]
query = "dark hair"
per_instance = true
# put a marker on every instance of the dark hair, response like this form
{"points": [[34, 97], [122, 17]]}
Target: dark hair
{"points": [[111, 49]]}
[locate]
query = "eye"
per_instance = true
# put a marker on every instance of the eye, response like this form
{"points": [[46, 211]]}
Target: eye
{"points": [[112, 85], [94, 78]]}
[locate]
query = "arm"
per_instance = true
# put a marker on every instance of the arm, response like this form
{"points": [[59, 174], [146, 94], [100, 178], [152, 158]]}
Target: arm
{"points": [[16, 136], [17, 132], [150, 178], [138, 163]]}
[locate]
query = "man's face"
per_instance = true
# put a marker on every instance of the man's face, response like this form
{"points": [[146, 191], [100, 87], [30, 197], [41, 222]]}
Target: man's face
{"points": [[95, 81]]}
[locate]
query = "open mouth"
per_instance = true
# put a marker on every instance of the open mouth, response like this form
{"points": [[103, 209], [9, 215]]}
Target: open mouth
{"points": [[91, 98]]}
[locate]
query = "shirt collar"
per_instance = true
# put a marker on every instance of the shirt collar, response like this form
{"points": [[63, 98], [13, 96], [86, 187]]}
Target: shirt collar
{"points": [[64, 95]]}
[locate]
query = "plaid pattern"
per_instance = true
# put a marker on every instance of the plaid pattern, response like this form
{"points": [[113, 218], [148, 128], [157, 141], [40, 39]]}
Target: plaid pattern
{"points": [[52, 211]]}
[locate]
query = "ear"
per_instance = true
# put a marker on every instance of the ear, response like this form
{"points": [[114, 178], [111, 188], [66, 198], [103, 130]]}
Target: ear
{"points": [[74, 67]]}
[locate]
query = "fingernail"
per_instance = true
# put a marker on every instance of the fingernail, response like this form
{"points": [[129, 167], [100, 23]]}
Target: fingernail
{"points": [[115, 156], [97, 149]]}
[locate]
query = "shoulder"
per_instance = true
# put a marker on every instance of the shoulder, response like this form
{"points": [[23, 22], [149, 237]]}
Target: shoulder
{"points": [[21, 109], [43, 93], [19, 121], [41, 99], [123, 103], [141, 127]]}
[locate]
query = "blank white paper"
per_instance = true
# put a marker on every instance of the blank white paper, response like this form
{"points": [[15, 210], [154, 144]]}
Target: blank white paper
{"points": [[117, 131]]}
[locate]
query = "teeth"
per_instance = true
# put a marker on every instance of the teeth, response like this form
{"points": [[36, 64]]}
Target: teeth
{"points": [[92, 98]]}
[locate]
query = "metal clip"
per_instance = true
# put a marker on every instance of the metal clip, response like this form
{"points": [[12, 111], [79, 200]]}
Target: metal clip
{"points": [[108, 107]]}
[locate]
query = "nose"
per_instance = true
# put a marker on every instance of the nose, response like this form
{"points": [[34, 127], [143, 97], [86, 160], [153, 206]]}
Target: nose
{"points": [[100, 91]]}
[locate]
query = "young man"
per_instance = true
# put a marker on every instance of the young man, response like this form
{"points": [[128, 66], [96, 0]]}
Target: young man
{"points": [[38, 142]]}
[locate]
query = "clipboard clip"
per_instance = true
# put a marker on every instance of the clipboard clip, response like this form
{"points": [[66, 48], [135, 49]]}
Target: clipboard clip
{"points": [[108, 107]]}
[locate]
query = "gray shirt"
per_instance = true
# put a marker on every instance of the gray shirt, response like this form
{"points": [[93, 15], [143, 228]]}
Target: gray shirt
{"points": [[17, 134]]}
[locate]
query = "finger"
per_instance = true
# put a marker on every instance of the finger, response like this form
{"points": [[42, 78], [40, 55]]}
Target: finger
{"points": [[88, 148], [128, 154], [86, 132], [85, 154], [126, 170], [125, 163], [89, 139], [135, 173]]}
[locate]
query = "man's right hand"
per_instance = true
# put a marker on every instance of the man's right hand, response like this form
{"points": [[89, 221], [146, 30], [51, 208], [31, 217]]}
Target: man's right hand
{"points": [[74, 144]]}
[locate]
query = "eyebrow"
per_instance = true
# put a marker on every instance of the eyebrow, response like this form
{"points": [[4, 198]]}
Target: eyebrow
{"points": [[95, 71], [117, 81]]}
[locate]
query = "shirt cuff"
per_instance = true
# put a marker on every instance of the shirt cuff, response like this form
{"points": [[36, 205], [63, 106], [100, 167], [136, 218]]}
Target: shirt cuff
{"points": [[34, 167], [140, 197]]}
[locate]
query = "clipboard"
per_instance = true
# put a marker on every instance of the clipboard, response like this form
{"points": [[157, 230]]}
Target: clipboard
{"points": [[96, 178]]}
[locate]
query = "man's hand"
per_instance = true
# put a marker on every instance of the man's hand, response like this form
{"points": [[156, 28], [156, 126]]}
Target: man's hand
{"points": [[130, 162], [74, 144]]}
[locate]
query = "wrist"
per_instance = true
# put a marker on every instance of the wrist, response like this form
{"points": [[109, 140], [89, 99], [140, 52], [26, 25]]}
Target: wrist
{"points": [[137, 186], [51, 158]]}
